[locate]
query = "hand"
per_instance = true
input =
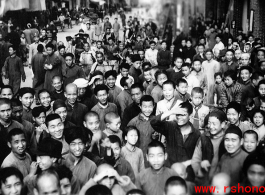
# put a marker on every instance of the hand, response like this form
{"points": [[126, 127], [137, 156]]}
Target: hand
{"points": [[33, 168], [96, 136], [205, 165]]}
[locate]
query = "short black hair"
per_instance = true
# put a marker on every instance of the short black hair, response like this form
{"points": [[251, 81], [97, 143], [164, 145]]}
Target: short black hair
{"points": [[187, 106], [5, 101], [40, 48], [197, 90], [110, 73], [114, 139], [15, 103], [218, 74], [101, 87], [123, 81], [137, 85], [256, 75], [135, 191], [6, 87], [252, 132], [147, 98], [181, 80], [169, 82], [155, 144], [175, 181], [131, 128], [43, 91], [234, 105], [262, 82], [231, 74], [14, 132], [159, 72], [98, 190], [64, 172], [51, 117], [125, 66], [186, 65], [8, 172]]}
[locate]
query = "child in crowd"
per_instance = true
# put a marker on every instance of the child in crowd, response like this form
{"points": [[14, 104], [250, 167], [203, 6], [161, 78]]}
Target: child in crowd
{"points": [[110, 78], [199, 110], [176, 185], [245, 73], [258, 120], [131, 152], [45, 100], [124, 72], [222, 184], [135, 71], [113, 123], [124, 99], [58, 92], [157, 92], [217, 88], [41, 131], [199, 74], [191, 79], [175, 72], [251, 141], [232, 161], [18, 156], [153, 82], [147, 78], [182, 88], [103, 106], [26, 96], [180, 169], [170, 101], [156, 156], [122, 166]]}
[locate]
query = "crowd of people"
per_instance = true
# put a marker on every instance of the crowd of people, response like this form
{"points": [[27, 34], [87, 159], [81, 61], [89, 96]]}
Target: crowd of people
{"points": [[131, 113]]}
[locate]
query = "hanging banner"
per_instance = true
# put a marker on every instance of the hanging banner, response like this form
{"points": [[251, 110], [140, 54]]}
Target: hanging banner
{"points": [[37, 5], [13, 5]]}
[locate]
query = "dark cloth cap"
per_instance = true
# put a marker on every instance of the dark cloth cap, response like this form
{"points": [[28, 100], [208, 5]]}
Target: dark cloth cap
{"points": [[136, 57], [72, 133], [49, 147], [58, 104], [255, 158], [246, 68], [69, 54], [37, 111], [24, 90], [235, 130]]}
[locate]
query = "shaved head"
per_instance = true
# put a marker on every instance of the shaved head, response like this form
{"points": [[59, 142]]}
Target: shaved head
{"points": [[180, 170], [71, 87], [103, 167], [221, 181]]}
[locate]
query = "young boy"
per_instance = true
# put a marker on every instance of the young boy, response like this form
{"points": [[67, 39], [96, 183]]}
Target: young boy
{"points": [[182, 88], [232, 161], [45, 100], [103, 106], [58, 92], [6, 92], [232, 90], [245, 73], [170, 101], [13, 69], [175, 185], [191, 79], [110, 78], [199, 74], [26, 95], [122, 166], [217, 88], [41, 130], [251, 141], [199, 110], [11, 176], [18, 156], [135, 71], [156, 156], [83, 168], [71, 71], [180, 169], [222, 184], [113, 123], [147, 77], [87, 59], [124, 72]]}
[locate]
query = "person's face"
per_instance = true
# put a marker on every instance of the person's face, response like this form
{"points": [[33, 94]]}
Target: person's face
{"points": [[77, 147], [214, 125], [262, 90], [115, 124], [185, 70], [43, 32], [102, 96], [99, 45], [18, 144], [196, 98], [183, 43], [45, 99], [55, 128], [147, 76], [137, 64], [176, 190], [107, 181], [197, 66], [147, 108], [244, 60], [217, 39], [232, 142], [245, 75], [110, 81], [17, 112], [49, 50], [92, 123], [136, 95], [247, 48], [250, 142], [262, 106], [62, 51], [71, 95], [110, 41], [57, 84], [45, 162], [132, 137], [209, 56], [228, 81], [258, 119], [141, 53], [62, 112], [178, 63], [251, 39], [81, 91], [182, 88], [48, 185], [36, 39], [11, 51], [40, 119], [116, 150], [229, 56], [262, 66], [26, 100], [69, 61], [189, 44], [156, 157], [108, 31], [99, 58], [12, 186], [161, 79], [152, 46], [218, 79], [260, 55], [238, 54], [230, 41], [183, 118], [256, 81], [232, 116], [164, 45], [6, 93], [200, 49], [256, 175], [124, 72], [5, 112], [66, 187], [168, 91]]}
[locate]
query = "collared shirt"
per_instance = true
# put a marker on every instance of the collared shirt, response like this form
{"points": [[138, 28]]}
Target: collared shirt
{"points": [[83, 170], [201, 78], [123, 167], [192, 82], [182, 97], [202, 112], [151, 56], [76, 113], [220, 46], [165, 105], [153, 182], [103, 111], [225, 67]]}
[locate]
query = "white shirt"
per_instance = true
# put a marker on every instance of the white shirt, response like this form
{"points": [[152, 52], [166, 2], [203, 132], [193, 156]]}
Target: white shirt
{"points": [[192, 82], [118, 80], [219, 46], [151, 56]]}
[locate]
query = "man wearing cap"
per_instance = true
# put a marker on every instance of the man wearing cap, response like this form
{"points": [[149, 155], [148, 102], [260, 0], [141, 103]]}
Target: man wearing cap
{"points": [[33, 47], [82, 85], [135, 71], [229, 64], [232, 161]]}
